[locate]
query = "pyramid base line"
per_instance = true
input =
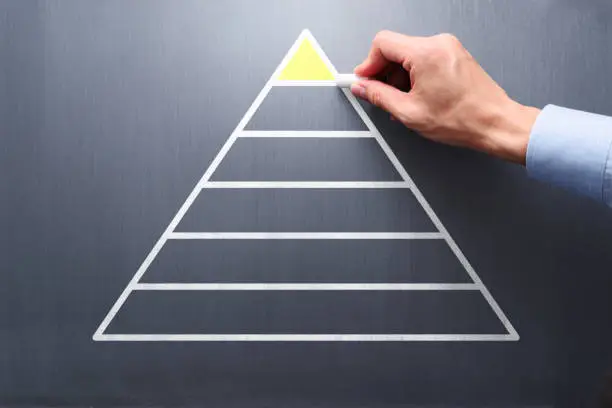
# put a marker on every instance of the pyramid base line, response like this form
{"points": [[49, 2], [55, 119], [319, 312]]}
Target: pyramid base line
{"points": [[307, 337]]}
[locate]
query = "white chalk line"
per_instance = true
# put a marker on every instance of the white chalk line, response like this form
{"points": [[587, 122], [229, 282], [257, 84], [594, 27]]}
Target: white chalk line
{"points": [[306, 286], [331, 134], [295, 82], [306, 337], [305, 235], [307, 184]]}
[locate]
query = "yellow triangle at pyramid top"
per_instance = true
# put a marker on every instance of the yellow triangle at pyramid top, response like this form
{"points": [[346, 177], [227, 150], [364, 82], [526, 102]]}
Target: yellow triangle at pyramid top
{"points": [[306, 65]]}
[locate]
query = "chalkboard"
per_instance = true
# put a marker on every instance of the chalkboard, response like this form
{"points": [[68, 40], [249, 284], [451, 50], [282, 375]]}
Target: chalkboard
{"points": [[184, 223]]}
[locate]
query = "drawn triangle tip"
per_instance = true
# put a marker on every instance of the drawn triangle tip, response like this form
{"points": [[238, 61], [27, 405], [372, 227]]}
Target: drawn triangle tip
{"points": [[306, 63]]}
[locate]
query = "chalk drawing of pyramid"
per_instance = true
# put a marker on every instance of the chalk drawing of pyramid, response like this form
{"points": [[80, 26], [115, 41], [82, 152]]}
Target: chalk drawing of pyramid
{"points": [[346, 302]]}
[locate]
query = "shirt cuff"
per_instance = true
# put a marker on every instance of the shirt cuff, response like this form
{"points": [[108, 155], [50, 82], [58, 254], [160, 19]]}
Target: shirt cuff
{"points": [[571, 149]]}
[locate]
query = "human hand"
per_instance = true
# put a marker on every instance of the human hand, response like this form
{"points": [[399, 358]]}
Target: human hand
{"points": [[434, 86]]}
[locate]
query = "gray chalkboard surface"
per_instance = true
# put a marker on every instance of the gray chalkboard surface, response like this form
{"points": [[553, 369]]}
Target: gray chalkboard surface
{"points": [[496, 289]]}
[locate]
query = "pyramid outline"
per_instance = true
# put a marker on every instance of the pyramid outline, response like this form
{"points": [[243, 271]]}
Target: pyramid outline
{"points": [[169, 233]]}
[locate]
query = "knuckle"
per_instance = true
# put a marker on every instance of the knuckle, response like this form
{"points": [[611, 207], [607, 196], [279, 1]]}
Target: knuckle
{"points": [[444, 47], [449, 39], [381, 36], [449, 43], [375, 98]]}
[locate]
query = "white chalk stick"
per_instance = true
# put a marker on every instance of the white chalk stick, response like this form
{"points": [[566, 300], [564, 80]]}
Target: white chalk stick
{"points": [[346, 80]]}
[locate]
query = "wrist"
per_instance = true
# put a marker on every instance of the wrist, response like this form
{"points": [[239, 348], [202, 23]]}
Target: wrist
{"points": [[508, 130]]}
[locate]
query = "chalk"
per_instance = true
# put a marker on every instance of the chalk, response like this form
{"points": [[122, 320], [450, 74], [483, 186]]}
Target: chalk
{"points": [[346, 80]]}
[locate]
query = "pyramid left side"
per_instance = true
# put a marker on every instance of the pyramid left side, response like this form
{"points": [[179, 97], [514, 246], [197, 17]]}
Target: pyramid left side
{"points": [[301, 62]]}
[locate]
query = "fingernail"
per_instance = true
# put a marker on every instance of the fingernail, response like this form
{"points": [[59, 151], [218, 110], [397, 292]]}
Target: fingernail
{"points": [[358, 90]]}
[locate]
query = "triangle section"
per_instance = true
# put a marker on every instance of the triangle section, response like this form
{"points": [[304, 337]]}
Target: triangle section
{"points": [[306, 65]]}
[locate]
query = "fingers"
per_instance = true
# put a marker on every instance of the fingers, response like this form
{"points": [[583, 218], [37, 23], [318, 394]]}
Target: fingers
{"points": [[384, 96], [388, 47]]}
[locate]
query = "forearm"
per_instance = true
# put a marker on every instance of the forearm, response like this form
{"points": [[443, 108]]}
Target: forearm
{"points": [[506, 130]]}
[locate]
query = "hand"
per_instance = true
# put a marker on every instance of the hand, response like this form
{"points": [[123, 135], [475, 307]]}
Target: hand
{"points": [[434, 86]]}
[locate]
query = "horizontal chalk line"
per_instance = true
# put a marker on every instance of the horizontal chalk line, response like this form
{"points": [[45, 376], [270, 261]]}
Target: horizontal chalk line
{"points": [[305, 235], [294, 82], [306, 184], [306, 286], [307, 133], [306, 337]]}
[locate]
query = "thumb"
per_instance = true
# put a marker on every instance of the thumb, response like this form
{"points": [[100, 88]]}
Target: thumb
{"points": [[382, 95]]}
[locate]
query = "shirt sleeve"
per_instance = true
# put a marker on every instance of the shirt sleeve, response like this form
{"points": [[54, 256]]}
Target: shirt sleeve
{"points": [[572, 149]]}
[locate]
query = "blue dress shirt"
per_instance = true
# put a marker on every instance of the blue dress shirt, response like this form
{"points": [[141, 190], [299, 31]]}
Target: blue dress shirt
{"points": [[572, 149]]}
